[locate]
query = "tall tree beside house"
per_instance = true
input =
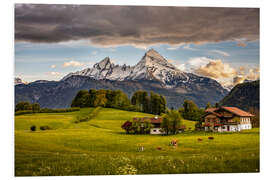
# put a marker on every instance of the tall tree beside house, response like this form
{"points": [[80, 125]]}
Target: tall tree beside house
{"points": [[165, 124], [175, 121], [171, 122], [191, 111]]}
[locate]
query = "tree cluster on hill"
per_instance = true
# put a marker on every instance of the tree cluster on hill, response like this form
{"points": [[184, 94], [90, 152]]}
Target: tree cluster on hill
{"points": [[190, 111], [102, 98], [140, 101], [155, 104], [27, 108], [23, 106]]}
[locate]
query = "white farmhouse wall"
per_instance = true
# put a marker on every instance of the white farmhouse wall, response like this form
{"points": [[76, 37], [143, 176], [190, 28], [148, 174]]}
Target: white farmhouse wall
{"points": [[245, 126], [245, 123], [156, 131], [233, 128]]}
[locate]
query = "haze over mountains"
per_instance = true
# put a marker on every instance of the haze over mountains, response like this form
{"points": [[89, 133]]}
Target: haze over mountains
{"points": [[152, 73]]}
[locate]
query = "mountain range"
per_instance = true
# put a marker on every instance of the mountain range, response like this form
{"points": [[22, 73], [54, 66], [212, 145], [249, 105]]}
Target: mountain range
{"points": [[152, 73]]}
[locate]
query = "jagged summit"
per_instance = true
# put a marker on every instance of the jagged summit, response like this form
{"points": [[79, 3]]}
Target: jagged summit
{"points": [[153, 53], [104, 64], [153, 58], [152, 66]]}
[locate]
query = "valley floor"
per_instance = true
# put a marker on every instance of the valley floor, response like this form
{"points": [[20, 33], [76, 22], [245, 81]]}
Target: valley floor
{"points": [[101, 147]]}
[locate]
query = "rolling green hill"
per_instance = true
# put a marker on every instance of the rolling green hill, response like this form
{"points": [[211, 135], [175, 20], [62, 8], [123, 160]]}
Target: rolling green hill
{"points": [[244, 96], [100, 146]]}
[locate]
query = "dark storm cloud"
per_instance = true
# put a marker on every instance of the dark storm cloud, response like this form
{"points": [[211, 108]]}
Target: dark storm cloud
{"points": [[118, 25]]}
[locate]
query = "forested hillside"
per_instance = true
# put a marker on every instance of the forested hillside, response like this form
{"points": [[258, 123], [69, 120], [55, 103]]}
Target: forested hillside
{"points": [[244, 96]]}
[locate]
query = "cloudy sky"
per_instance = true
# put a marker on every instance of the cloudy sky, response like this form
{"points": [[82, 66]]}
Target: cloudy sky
{"points": [[53, 40]]}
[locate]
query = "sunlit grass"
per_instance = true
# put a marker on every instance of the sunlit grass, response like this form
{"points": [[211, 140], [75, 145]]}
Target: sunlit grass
{"points": [[100, 146]]}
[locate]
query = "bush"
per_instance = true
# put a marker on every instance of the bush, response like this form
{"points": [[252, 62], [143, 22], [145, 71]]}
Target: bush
{"points": [[45, 128], [33, 128], [93, 114]]}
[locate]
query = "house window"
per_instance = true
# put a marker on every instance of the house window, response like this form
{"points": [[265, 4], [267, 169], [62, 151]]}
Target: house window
{"points": [[223, 127], [155, 130]]}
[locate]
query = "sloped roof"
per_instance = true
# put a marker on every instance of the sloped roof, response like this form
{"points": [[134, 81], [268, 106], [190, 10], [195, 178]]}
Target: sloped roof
{"points": [[155, 120], [237, 111], [212, 111], [233, 110]]}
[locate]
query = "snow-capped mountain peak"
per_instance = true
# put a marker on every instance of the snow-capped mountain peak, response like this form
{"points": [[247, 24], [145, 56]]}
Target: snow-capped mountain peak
{"points": [[152, 66], [104, 64], [155, 67], [153, 57]]}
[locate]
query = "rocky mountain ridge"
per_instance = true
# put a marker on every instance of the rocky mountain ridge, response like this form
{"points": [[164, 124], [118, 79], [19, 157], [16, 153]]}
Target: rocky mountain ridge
{"points": [[152, 73]]}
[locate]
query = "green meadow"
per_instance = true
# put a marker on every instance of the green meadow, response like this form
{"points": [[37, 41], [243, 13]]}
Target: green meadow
{"points": [[101, 147]]}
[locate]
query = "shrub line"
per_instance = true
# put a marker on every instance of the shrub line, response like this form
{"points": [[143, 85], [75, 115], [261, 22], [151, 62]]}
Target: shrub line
{"points": [[90, 116]]}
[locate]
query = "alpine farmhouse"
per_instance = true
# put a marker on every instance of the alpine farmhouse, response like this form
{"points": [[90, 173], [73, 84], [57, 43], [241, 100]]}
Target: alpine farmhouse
{"points": [[156, 122], [224, 119]]}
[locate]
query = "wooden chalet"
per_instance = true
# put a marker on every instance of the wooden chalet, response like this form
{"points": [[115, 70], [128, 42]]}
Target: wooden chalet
{"points": [[226, 119]]}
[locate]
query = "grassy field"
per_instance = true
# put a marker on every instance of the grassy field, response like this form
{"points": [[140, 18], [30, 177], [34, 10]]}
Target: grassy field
{"points": [[100, 146]]}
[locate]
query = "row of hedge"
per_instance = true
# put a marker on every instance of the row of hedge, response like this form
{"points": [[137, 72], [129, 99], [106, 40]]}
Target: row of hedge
{"points": [[46, 110], [90, 116]]}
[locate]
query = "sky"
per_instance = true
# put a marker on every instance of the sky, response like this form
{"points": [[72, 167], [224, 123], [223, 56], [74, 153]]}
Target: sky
{"points": [[53, 40]]}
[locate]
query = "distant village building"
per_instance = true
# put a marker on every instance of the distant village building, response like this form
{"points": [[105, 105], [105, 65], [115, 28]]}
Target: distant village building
{"points": [[224, 119]]}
